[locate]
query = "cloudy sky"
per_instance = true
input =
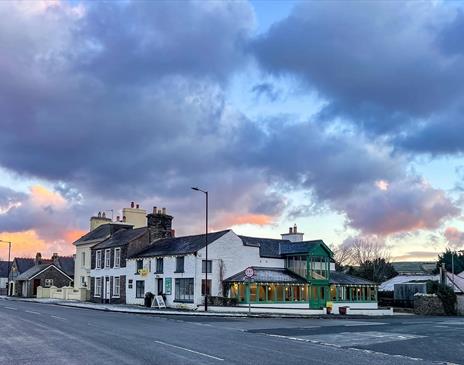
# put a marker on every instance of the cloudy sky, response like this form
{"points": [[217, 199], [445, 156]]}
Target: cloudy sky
{"points": [[345, 118]]}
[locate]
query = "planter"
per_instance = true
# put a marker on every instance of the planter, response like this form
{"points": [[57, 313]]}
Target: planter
{"points": [[342, 310]]}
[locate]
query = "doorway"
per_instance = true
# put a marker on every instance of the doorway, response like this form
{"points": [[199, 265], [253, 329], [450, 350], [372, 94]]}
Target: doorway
{"points": [[107, 290], [35, 285], [159, 286]]}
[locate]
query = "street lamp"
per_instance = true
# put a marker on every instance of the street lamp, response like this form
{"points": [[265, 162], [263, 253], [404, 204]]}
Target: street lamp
{"points": [[206, 245], [9, 254]]}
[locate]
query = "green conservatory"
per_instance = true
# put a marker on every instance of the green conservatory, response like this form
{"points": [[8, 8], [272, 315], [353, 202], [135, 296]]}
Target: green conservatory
{"points": [[306, 281]]}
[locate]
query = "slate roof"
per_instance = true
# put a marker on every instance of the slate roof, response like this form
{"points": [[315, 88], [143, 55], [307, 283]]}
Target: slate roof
{"points": [[179, 245], [4, 266], [339, 278], [24, 264], [66, 263], [27, 275], [275, 248], [101, 233], [121, 238], [268, 275]]}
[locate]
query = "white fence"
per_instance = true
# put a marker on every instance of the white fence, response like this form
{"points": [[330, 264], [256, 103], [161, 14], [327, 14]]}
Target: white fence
{"points": [[64, 293]]}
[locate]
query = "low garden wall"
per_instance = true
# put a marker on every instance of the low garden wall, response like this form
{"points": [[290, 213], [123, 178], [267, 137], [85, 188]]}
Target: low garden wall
{"points": [[428, 304], [64, 293]]}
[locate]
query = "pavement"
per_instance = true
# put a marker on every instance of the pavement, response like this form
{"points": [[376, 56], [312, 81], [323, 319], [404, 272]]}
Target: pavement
{"points": [[44, 333]]}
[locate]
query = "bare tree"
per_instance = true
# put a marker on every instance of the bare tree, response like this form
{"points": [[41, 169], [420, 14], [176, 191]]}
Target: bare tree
{"points": [[365, 250]]}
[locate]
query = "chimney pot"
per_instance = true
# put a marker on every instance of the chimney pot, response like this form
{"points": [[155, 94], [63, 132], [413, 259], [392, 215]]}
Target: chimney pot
{"points": [[117, 218], [154, 210], [137, 206], [294, 228], [290, 230], [103, 215], [124, 218], [163, 211], [132, 204], [99, 214]]}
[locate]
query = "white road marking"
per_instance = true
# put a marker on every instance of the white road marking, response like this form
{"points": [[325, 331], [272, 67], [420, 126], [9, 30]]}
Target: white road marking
{"points": [[192, 351], [13, 309], [59, 317], [32, 312]]}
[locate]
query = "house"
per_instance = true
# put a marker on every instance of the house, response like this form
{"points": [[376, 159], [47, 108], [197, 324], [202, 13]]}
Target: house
{"points": [[4, 272], [101, 228], [19, 265], [109, 257], [414, 267], [57, 271], [287, 272]]}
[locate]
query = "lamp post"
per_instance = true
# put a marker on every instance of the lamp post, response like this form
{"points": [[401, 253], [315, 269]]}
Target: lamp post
{"points": [[206, 245], [9, 255]]}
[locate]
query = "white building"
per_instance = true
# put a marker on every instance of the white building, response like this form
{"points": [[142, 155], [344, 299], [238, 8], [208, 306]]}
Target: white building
{"points": [[101, 228], [286, 274]]}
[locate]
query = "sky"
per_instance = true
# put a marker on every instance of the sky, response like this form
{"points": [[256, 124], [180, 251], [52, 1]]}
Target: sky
{"points": [[345, 118]]}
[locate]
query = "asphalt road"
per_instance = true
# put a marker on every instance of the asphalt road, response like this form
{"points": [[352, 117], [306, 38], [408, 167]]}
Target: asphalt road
{"points": [[33, 333]]}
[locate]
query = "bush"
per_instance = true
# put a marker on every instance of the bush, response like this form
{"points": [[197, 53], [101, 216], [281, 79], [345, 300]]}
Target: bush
{"points": [[222, 301], [446, 295]]}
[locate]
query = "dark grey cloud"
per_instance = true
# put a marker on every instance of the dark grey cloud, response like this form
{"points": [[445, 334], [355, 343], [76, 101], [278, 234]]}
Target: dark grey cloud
{"points": [[125, 101], [385, 66], [266, 89]]}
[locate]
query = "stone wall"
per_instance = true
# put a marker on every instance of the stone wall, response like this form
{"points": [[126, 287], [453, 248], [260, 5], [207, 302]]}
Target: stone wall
{"points": [[460, 305], [428, 304]]}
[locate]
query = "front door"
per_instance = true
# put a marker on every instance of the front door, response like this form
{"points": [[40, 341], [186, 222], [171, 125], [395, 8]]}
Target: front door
{"points": [[318, 296], [35, 285], [107, 289], [159, 285]]}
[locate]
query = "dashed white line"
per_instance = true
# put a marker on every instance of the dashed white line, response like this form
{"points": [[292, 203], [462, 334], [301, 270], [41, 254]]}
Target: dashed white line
{"points": [[192, 351], [32, 312], [64, 319], [13, 309]]}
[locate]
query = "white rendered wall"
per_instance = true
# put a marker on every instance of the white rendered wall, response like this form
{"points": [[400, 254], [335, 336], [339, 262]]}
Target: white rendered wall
{"points": [[79, 268]]}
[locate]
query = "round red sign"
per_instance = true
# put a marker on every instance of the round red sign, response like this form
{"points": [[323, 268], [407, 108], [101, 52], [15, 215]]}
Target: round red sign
{"points": [[249, 272]]}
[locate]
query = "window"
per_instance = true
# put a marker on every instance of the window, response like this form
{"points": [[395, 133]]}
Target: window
{"points": [[180, 264], [139, 288], [159, 265], [107, 257], [204, 266], [83, 280], [98, 259], [139, 266], [98, 286], [130, 284], [83, 259], [117, 257], [48, 283], [184, 290], [116, 286], [208, 289]]}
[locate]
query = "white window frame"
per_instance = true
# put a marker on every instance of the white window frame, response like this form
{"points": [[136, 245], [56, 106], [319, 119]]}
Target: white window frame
{"points": [[116, 293], [117, 257], [107, 258], [98, 287], [98, 259], [48, 283]]}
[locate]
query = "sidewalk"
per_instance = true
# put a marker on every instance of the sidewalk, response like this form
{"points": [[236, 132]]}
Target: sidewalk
{"points": [[220, 312]]}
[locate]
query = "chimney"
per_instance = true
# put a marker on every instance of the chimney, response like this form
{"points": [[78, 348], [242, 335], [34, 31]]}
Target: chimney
{"points": [[38, 258], [159, 224], [55, 258], [293, 235]]}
